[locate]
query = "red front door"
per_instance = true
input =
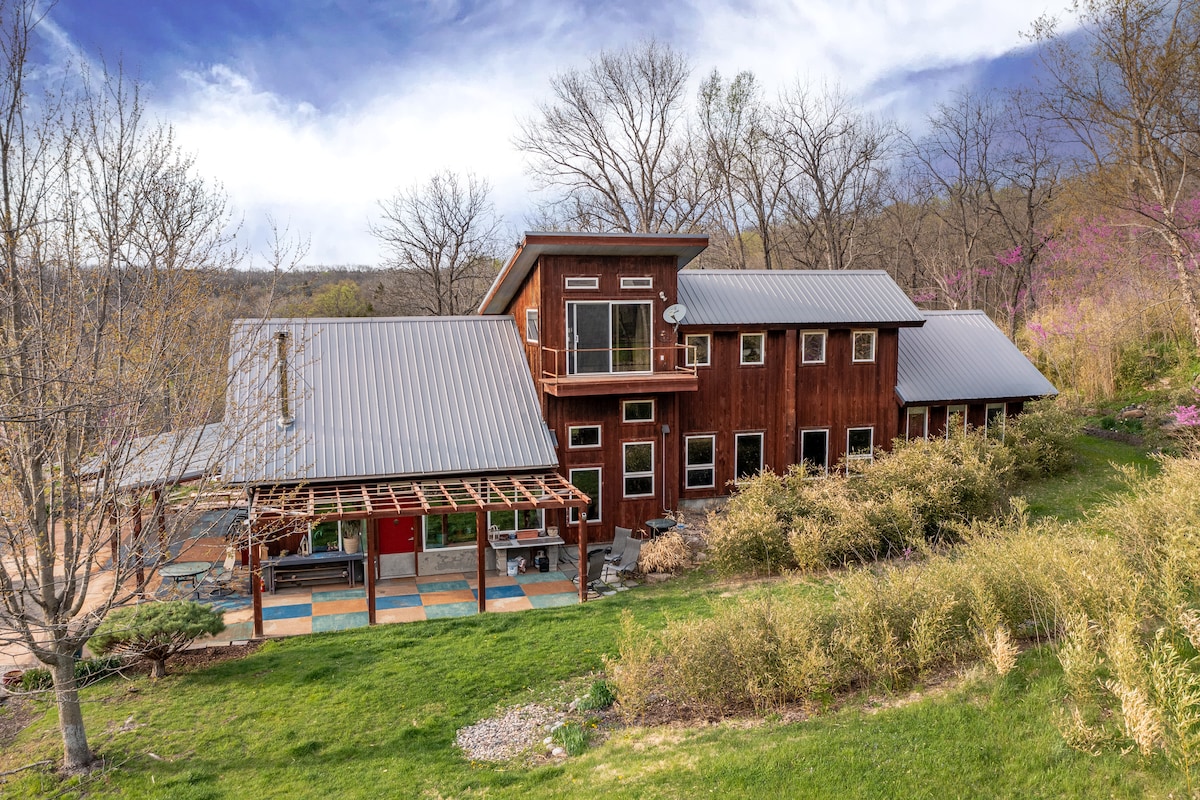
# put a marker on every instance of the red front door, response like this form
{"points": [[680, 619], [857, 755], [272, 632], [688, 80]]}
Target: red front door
{"points": [[397, 535]]}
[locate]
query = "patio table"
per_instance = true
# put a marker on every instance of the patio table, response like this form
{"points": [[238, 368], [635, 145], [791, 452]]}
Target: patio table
{"points": [[184, 571], [659, 526]]}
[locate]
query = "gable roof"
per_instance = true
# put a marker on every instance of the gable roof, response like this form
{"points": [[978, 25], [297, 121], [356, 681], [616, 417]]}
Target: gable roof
{"points": [[962, 356], [162, 459], [794, 297], [385, 398], [683, 246]]}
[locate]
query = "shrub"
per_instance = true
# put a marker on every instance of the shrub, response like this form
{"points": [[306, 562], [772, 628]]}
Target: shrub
{"points": [[750, 536], [1043, 439], [599, 696], [665, 553], [156, 631], [87, 672]]}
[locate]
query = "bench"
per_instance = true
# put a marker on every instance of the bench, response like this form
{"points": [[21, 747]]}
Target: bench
{"points": [[317, 568], [309, 575]]}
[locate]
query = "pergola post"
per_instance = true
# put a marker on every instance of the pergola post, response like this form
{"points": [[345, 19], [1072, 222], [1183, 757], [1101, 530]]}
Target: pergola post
{"points": [[114, 523], [371, 543], [481, 558], [256, 585], [583, 559], [160, 521], [139, 565]]}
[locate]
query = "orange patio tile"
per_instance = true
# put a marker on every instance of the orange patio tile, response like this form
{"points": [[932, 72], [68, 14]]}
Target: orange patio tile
{"points": [[550, 587], [438, 598], [389, 615], [390, 588], [287, 627], [455, 576], [509, 604], [339, 607]]}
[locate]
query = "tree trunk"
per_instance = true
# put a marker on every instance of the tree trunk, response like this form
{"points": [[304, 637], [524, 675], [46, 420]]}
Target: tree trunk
{"points": [[158, 668], [77, 756], [1186, 288]]}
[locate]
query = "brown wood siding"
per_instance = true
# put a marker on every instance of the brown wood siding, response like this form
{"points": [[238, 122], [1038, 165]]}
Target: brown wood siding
{"points": [[529, 296]]}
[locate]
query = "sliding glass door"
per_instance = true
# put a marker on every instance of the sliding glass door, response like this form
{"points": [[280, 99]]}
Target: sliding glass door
{"points": [[604, 337]]}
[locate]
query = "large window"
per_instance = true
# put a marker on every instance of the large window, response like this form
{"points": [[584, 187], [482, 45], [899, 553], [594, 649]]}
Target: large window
{"points": [[638, 463], [814, 451], [917, 423], [860, 445], [748, 455], [637, 411], [330, 535], [586, 480], [701, 452], [531, 325], [956, 416], [449, 530], [753, 348], [527, 519], [608, 337], [864, 346], [993, 421], [812, 347], [697, 354]]}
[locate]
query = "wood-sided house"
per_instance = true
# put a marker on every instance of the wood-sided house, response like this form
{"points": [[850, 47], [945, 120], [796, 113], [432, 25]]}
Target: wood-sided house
{"points": [[663, 387]]}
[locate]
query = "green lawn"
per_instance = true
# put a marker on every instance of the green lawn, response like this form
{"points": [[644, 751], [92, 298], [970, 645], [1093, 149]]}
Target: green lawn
{"points": [[373, 713], [1067, 497]]}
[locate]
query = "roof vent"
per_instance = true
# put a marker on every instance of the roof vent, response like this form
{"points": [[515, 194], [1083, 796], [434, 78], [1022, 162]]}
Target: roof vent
{"points": [[285, 419]]}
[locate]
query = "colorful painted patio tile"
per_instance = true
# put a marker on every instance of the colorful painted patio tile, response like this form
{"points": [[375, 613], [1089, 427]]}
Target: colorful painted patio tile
{"points": [[555, 587], [287, 627], [390, 587], [287, 599], [443, 586], [391, 615], [463, 595], [288, 612], [448, 610], [342, 594], [540, 577], [498, 592], [339, 622], [509, 604], [339, 607], [398, 601], [553, 600]]}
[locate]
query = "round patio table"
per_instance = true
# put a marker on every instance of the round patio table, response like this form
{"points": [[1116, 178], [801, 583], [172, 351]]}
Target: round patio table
{"points": [[659, 526], [184, 571]]}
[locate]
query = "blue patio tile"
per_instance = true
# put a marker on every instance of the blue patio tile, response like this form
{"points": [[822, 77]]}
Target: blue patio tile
{"points": [[287, 612], [553, 600], [443, 586], [339, 622], [398, 601], [501, 592], [447, 610], [541, 577], [341, 594]]}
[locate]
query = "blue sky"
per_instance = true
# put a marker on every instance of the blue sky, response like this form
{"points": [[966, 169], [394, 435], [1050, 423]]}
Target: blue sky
{"points": [[313, 110]]}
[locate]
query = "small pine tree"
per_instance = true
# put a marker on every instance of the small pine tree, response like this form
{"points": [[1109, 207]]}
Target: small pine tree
{"points": [[156, 631]]}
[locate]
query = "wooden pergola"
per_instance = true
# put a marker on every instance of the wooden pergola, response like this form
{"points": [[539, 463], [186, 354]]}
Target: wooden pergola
{"points": [[415, 498]]}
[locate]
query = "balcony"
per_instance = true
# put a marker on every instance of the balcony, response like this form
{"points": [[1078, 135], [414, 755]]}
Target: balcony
{"points": [[581, 372]]}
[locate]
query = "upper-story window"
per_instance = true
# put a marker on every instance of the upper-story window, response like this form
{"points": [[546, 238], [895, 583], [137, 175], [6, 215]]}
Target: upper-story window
{"points": [[637, 411], [812, 347], [864, 346], [753, 348], [697, 353], [583, 283], [531, 325], [606, 337], [637, 283], [579, 436]]}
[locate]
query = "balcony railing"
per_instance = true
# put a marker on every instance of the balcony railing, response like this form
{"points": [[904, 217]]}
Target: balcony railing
{"points": [[662, 366]]}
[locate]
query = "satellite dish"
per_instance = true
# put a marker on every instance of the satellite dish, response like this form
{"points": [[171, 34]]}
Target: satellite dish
{"points": [[674, 314]]}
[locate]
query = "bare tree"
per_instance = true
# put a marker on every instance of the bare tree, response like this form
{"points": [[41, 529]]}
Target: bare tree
{"points": [[1127, 87], [441, 242], [107, 335], [614, 143]]}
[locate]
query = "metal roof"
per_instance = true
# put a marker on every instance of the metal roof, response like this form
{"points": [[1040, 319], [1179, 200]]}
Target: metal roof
{"points": [[684, 246], [375, 398], [794, 297], [162, 459], [962, 356]]}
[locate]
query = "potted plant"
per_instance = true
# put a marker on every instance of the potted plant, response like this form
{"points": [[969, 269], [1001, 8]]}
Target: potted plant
{"points": [[351, 535]]}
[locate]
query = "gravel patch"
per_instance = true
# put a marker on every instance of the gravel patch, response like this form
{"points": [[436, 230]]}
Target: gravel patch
{"points": [[517, 731]]}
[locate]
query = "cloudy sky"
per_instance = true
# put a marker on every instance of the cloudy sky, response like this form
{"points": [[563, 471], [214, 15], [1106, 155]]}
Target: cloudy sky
{"points": [[311, 111]]}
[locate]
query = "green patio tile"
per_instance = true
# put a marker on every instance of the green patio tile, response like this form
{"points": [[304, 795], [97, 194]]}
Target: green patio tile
{"points": [[442, 586], [341, 594], [552, 600], [448, 610], [541, 577], [339, 622]]}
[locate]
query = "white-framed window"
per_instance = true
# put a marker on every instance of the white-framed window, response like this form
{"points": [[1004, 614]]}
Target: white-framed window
{"points": [[638, 468], [583, 436], [860, 445], [952, 411], [916, 423], [531, 325], [523, 520], [330, 534], [582, 283], [993, 420], [812, 347], [864, 346], [637, 283], [814, 451], [586, 480], [637, 410], [747, 455], [442, 531], [754, 347], [698, 349], [700, 453]]}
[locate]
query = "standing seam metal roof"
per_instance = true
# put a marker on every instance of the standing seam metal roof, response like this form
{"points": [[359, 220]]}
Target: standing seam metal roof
{"points": [[960, 356], [387, 398], [794, 297]]}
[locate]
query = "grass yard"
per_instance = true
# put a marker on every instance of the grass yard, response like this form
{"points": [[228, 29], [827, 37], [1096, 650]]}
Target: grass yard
{"points": [[1068, 497], [373, 713]]}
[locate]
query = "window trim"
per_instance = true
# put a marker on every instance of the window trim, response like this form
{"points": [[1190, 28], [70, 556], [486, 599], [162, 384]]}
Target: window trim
{"points": [[572, 352], [572, 512], [824, 346], [687, 353], [579, 282], [874, 334], [987, 409], [532, 324], [950, 412], [625, 411], [425, 534], [869, 456], [762, 349], [626, 474], [599, 437], [908, 415], [737, 437], [825, 466], [688, 467], [637, 282]]}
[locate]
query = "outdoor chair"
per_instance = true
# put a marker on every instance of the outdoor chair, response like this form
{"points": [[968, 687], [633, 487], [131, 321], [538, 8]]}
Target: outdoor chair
{"points": [[618, 545], [595, 567], [223, 576], [629, 558]]}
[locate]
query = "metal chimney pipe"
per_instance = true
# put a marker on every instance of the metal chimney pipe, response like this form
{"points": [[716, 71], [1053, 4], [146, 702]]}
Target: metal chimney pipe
{"points": [[285, 416]]}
